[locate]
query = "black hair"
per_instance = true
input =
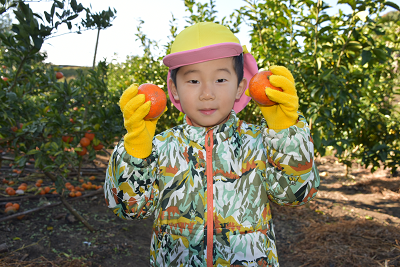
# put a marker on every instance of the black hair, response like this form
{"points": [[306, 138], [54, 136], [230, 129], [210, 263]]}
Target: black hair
{"points": [[237, 65]]}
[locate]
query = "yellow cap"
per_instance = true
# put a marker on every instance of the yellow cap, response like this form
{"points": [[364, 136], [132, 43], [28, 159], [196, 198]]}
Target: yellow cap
{"points": [[202, 34]]}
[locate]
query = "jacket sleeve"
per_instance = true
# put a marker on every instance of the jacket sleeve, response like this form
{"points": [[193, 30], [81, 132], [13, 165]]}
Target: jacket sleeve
{"points": [[292, 177], [131, 188]]}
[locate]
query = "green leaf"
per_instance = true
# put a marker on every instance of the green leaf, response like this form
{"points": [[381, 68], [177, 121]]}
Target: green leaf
{"points": [[33, 152], [380, 54], [366, 57], [317, 139], [53, 9], [354, 46], [391, 4], [48, 17], [351, 3], [72, 17], [38, 161], [37, 42], [12, 96]]}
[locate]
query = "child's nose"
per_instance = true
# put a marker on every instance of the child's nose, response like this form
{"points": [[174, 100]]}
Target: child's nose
{"points": [[207, 93]]}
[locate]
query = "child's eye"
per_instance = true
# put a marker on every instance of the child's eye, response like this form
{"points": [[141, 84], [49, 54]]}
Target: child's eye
{"points": [[221, 80], [194, 81]]}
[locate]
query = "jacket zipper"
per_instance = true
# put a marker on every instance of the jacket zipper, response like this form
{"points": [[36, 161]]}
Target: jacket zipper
{"points": [[210, 198]]}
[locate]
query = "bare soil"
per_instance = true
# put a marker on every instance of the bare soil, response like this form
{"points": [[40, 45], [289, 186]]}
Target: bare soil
{"points": [[354, 221]]}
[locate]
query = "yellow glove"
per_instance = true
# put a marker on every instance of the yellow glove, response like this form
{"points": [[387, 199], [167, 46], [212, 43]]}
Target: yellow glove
{"points": [[284, 113], [138, 140]]}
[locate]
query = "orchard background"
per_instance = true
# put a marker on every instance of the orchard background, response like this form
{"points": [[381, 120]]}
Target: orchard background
{"points": [[346, 68]]}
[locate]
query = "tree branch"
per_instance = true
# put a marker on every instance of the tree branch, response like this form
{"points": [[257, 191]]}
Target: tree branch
{"points": [[69, 207]]}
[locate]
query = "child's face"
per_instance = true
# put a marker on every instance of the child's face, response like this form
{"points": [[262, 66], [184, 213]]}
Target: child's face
{"points": [[207, 91]]}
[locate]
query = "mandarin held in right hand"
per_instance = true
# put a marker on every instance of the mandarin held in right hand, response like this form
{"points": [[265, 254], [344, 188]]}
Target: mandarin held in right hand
{"points": [[156, 96], [139, 119]]}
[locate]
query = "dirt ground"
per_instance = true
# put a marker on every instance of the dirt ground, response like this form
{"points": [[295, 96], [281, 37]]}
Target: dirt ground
{"points": [[354, 221]]}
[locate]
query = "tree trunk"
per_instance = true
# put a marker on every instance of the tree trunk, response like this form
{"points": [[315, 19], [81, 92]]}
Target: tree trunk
{"points": [[95, 49]]}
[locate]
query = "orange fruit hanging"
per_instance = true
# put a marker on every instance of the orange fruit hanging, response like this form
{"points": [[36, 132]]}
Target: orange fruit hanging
{"points": [[257, 86], [98, 147], [59, 75], [83, 152], [157, 97], [89, 135], [85, 141], [67, 139]]}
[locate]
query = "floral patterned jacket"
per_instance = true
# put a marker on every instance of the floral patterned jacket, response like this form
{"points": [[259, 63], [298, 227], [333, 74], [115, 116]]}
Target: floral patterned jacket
{"points": [[210, 190]]}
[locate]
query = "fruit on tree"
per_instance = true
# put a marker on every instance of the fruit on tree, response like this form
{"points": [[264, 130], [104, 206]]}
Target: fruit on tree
{"points": [[257, 85], [67, 139], [84, 141], [98, 147], [59, 75], [5, 79], [157, 97], [15, 128], [83, 152], [89, 135]]}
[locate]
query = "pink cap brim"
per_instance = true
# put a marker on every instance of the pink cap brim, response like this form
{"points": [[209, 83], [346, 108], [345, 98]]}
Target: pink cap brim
{"points": [[212, 52]]}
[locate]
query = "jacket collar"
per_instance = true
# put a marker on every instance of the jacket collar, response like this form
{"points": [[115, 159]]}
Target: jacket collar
{"points": [[198, 134]]}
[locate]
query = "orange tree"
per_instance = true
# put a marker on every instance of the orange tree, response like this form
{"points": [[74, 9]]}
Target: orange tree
{"points": [[343, 65], [44, 119]]}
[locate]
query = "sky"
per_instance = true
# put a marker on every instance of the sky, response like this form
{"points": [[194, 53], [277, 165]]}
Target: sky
{"points": [[119, 41]]}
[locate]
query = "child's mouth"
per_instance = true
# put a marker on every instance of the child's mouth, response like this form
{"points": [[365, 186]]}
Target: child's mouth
{"points": [[208, 111]]}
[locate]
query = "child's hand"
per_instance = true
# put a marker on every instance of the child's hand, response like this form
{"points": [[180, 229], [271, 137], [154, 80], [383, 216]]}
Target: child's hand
{"points": [[138, 140], [284, 114]]}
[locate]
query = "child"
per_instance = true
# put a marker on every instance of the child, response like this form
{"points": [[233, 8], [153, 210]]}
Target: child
{"points": [[209, 181]]}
